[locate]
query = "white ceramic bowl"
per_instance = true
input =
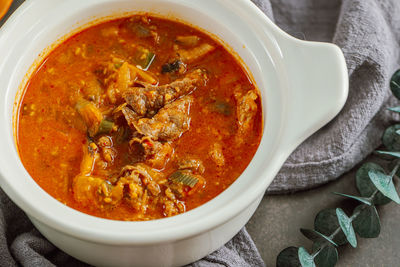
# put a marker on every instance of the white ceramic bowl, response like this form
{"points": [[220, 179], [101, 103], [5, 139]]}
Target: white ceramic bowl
{"points": [[303, 86]]}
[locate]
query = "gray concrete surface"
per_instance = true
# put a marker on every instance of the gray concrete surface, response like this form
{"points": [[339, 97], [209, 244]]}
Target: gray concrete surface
{"points": [[276, 223]]}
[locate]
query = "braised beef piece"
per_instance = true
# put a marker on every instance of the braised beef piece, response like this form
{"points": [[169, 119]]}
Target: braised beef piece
{"points": [[156, 153], [246, 111], [146, 101], [169, 123]]}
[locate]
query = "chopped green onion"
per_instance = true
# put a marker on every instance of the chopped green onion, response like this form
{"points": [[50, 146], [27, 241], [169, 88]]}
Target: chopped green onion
{"points": [[105, 127], [117, 65], [184, 178], [144, 57]]}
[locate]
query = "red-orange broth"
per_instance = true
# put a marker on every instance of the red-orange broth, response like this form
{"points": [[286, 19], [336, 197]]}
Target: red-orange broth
{"points": [[138, 118]]}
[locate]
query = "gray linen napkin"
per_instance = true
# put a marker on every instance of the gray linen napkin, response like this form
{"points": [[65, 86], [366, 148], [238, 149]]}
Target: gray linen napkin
{"points": [[368, 32], [369, 36]]}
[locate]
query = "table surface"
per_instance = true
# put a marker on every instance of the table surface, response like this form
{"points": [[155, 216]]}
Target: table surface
{"points": [[276, 223]]}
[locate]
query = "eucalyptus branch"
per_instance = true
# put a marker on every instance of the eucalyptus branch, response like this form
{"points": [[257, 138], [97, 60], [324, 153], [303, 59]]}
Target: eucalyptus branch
{"points": [[332, 227]]}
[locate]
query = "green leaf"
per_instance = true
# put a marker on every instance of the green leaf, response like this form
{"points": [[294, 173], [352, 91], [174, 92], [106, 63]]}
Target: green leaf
{"points": [[394, 154], [365, 185], [316, 236], [327, 257], [384, 183], [105, 127], [306, 260], [289, 257], [395, 109], [367, 223], [326, 222], [185, 178], [390, 139], [395, 84], [347, 227], [361, 199]]}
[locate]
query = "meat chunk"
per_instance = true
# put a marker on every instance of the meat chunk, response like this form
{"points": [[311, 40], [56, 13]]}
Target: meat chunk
{"points": [[169, 123], [171, 205], [130, 116], [216, 154], [246, 111], [135, 183], [156, 153], [107, 151], [195, 165], [146, 101]]}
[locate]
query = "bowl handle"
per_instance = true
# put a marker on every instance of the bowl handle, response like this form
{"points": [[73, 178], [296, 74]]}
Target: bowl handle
{"points": [[317, 86]]}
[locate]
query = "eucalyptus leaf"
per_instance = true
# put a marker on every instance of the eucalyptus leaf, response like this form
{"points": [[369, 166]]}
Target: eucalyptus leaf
{"points": [[289, 257], [306, 260], [327, 257], [347, 227], [367, 223], [326, 222], [395, 109], [316, 236], [395, 84], [365, 185], [394, 154], [390, 139], [361, 199], [384, 183]]}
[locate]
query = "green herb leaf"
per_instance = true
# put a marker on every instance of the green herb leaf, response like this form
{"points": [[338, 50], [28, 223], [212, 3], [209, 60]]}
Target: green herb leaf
{"points": [[395, 84], [316, 236], [347, 227], [306, 260], [394, 154], [105, 127], [117, 65], [327, 257], [144, 57], [184, 178], [395, 109], [361, 199], [288, 257], [365, 185], [390, 139], [384, 183], [367, 223], [326, 222]]}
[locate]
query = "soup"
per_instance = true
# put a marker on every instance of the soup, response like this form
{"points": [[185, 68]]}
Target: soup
{"points": [[138, 118]]}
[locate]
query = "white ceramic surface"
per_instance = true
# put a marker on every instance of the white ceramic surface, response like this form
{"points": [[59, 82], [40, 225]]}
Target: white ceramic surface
{"points": [[303, 86]]}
